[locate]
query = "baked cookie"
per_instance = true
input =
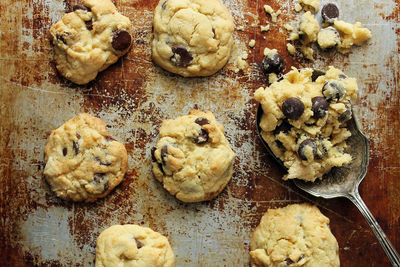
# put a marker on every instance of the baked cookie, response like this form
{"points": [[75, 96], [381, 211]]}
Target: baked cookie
{"points": [[304, 120], [83, 162], [192, 158], [192, 37], [296, 235], [134, 246], [89, 39]]}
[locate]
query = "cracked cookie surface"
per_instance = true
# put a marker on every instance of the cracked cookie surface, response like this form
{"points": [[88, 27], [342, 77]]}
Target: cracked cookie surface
{"points": [[83, 162], [89, 39], [296, 235], [134, 246], [192, 158], [192, 37]]}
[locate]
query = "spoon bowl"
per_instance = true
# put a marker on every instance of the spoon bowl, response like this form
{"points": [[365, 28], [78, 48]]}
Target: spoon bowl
{"points": [[344, 181]]}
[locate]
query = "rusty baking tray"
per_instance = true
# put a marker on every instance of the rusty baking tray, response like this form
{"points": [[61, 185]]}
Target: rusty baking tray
{"points": [[134, 96]]}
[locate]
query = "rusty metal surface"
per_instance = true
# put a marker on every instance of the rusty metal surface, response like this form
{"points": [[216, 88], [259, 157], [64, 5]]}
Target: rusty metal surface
{"points": [[134, 96]]}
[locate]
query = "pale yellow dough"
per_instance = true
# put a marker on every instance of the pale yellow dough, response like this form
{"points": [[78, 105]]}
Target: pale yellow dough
{"points": [[296, 235], [328, 131]]}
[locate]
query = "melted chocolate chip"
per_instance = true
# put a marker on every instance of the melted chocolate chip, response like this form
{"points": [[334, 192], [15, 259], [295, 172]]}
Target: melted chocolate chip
{"points": [[89, 25], [285, 127], [61, 37], [329, 12], [273, 64], [65, 151], [293, 108], [280, 145], [333, 90], [121, 40], [342, 76], [319, 106], [201, 138], [308, 143], [153, 157], [99, 177], [164, 154], [78, 136], [181, 56], [80, 7], [105, 163], [322, 151], [139, 244], [75, 146], [164, 4], [288, 261], [202, 121]]}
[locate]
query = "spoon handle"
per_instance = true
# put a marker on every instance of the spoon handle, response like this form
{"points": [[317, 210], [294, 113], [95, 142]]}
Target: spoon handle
{"points": [[385, 243]]}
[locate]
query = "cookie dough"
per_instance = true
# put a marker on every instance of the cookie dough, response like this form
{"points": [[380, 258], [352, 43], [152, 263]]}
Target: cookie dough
{"points": [[296, 235], [309, 28], [83, 162], [351, 34], [134, 246], [89, 39], [304, 120], [311, 5], [192, 37], [192, 158], [328, 37]]}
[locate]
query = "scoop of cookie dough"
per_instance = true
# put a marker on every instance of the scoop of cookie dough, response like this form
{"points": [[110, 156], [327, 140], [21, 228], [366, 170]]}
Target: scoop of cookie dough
{"points": [[134, 246], [83, 162], [192, 158], [296, 235], [89, 39], [192, 37], [304, 120]]}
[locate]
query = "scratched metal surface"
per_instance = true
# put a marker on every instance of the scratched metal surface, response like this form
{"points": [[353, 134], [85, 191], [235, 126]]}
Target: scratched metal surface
{"points": [[134, 96]]}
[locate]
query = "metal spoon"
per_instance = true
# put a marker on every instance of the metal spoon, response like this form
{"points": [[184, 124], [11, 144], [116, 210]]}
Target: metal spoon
{"points": [[344, 181]]}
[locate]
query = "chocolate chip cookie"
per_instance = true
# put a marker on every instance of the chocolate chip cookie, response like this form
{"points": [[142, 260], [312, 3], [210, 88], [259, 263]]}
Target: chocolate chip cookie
{"points": [[89, 39], [133, 245], [83, 162], [192, 158], [296, 235], [304, 120], [192, 37]]}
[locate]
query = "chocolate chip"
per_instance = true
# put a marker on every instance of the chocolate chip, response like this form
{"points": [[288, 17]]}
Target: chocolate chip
{"points": [[315, 74], [65, 151], [347, 114], [164, 154], [293, 108], [164, 4], [105, 163], [121, 40], [181, 56], [330, 12], [78, 136], [75, 146], [61, 37], [333, 90], [139, 244], [280, 145], [202, 137], [106, 186], [80, 7], [273, 64], [202, 121], [304, 146], [153, 157], [99, 177], [319, 106], [322, 151], [288, 261], [285, 127], [342, 76], [89, 25]]}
